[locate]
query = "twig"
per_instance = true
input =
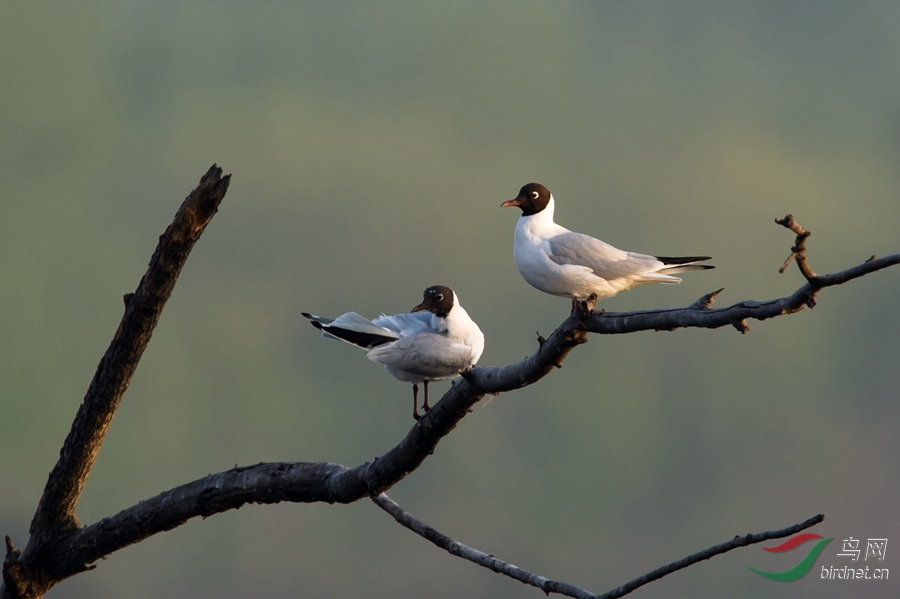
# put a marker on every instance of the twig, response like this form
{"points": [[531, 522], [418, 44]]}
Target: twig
{"points": [[798, 251], [706, 302], [713, 551]]}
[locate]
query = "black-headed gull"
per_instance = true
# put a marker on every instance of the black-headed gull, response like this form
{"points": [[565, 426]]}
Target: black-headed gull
{"points": [[433, 342], [568, 264]]}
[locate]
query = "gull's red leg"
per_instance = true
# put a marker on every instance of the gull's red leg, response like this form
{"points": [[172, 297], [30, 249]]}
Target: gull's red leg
{"points": [[415, 401]]}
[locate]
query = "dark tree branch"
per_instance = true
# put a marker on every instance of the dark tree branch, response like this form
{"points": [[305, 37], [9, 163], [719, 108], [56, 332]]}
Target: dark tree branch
{"points": [[473, 555], [142, 310], [55, 515], [610, 323], [749, 539], [59, 547], [213, 494], [551, 586]]}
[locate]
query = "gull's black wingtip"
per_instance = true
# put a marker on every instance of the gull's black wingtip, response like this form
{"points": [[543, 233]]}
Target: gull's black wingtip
{"points": [[683, 260], [314, 320]]}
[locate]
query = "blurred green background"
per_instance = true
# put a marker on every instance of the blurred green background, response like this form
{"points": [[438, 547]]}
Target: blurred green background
{"points": [[371, 145]]}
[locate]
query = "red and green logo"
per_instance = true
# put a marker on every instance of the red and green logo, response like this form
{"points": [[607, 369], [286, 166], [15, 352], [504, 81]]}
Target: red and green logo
{"points": [[801, 569]]}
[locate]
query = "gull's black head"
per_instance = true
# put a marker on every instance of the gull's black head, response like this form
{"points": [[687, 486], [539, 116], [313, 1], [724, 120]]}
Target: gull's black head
{"points": [[437, 299], [532, 198]]}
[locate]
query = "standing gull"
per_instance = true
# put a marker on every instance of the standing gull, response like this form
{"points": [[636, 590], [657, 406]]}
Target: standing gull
{"points": [[433, 342], [568, 264]]}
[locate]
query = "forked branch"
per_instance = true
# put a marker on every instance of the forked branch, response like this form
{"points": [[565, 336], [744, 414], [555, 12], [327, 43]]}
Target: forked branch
{"points": [[552, 586]]}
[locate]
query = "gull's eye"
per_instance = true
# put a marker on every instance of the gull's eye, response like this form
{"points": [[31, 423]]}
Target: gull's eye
{"points": [[534, 195], [439, 297]]}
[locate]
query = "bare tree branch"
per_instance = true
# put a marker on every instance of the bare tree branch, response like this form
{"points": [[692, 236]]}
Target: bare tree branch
{"points": [[551, 586], [59, 547], [477, 557], [699, 314], [55, 515], [713, 551]]}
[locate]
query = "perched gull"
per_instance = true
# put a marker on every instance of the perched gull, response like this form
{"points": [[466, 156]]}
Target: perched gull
{"points": [[433, 342], [568, 264]]}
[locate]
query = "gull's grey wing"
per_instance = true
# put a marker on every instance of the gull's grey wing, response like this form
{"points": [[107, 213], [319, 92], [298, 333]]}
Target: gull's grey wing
{"points": [[606, 261], [410, 323], [353, 329]]}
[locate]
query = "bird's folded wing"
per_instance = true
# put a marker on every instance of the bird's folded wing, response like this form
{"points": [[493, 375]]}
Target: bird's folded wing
{"points": [[408, 324], [356, 330], [606, 261]]}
